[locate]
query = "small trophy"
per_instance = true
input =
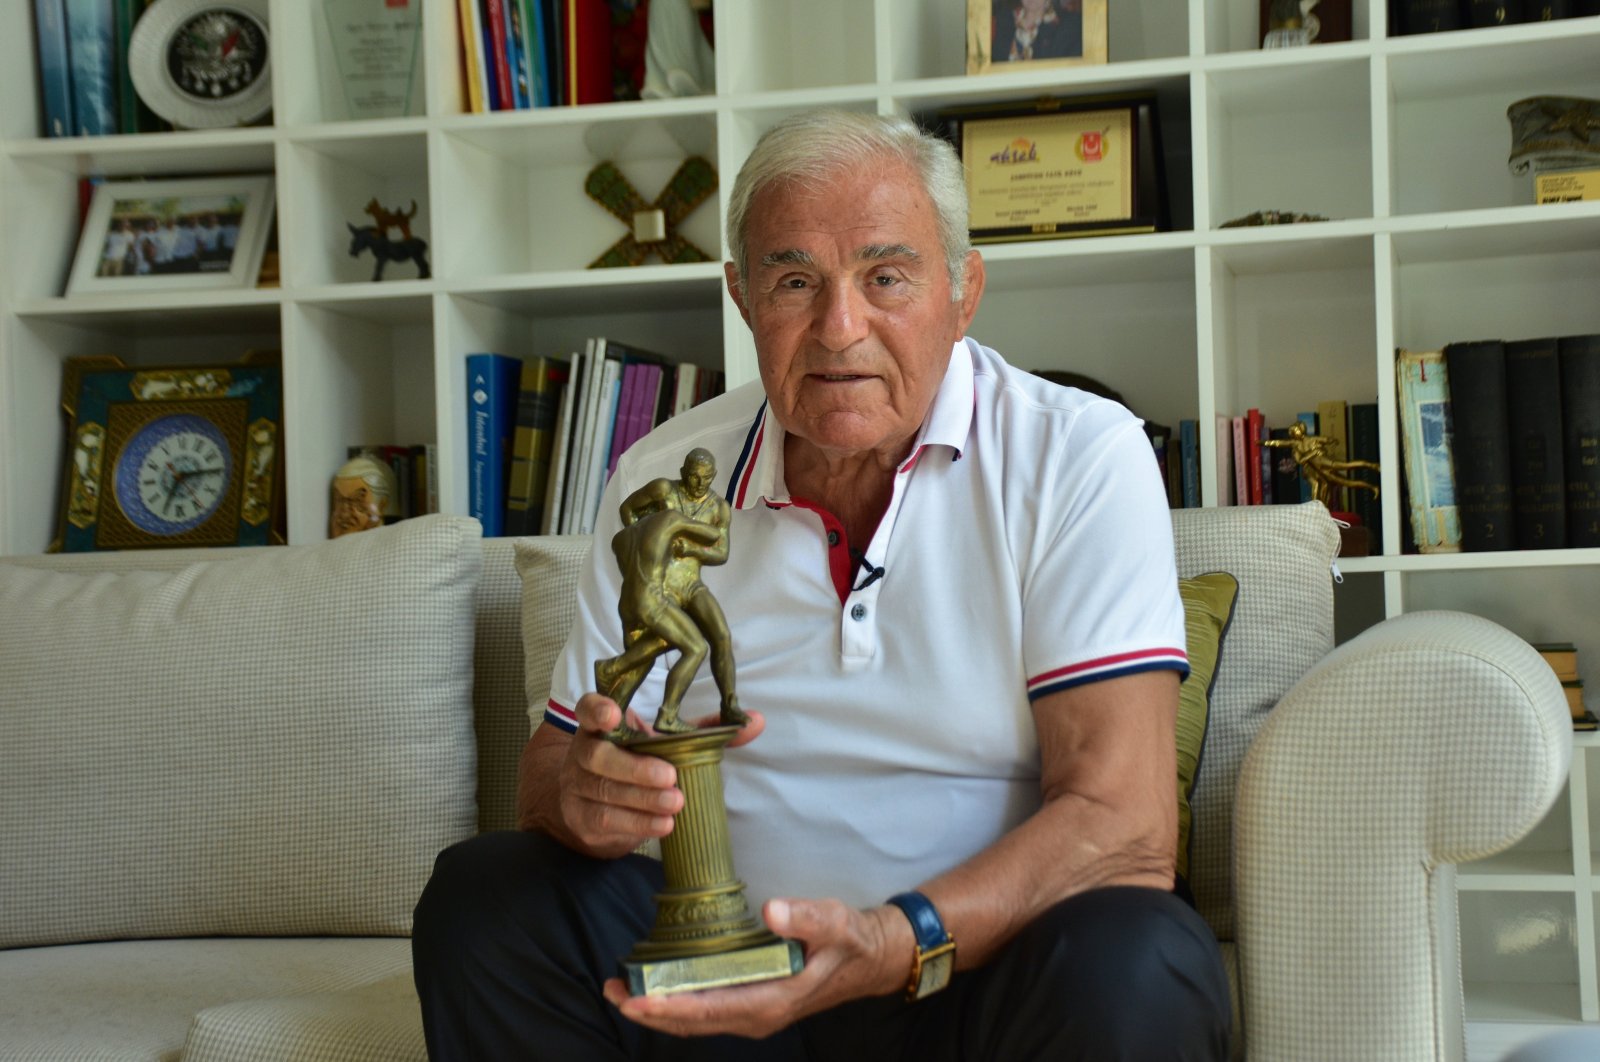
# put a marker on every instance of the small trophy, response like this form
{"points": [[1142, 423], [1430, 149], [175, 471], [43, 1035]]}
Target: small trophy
{"points": [[705, 935]]}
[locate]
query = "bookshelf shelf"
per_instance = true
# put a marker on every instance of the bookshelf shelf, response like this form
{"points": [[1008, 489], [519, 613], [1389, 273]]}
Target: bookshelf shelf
{"points": [[1401, 142]]}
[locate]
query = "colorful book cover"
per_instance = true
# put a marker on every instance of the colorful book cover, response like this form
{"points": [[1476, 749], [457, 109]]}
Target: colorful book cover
{"points": [[587, 39], [55, 69], [472, 57], [605, 424], [492, 385], [1426, 437], [1254, 431], [1241, 464], [1222, 456], [538, 67], [492, 28], [583, 438], [538, 401], [516, 38], [92, 55]]}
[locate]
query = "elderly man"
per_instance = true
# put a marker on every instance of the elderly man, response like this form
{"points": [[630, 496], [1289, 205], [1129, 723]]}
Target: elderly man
{"points": [[955, 609]]}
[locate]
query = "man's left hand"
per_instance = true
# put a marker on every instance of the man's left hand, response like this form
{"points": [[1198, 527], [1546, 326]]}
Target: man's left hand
{"points": [[850, 954]]}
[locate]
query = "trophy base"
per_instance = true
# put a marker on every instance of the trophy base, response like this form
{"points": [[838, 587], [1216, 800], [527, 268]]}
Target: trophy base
{"points": [[662, 977]]}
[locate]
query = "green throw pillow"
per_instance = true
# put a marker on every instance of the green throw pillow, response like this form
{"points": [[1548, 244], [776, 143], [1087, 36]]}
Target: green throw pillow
{"points": [[1207, 608]]}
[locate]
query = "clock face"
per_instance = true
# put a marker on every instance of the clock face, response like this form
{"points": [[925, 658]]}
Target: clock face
{"points": [[173, 474], [217, 54]]}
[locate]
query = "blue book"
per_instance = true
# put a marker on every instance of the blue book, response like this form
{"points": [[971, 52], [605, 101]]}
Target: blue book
{"points": [[1189, 450], [55, 70], [538, 68], [493, 383], [92, 53], [517, 55]]}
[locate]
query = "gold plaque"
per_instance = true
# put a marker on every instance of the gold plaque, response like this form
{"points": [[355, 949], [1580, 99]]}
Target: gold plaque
{"points": [[1567, 186], [1056, 168]]}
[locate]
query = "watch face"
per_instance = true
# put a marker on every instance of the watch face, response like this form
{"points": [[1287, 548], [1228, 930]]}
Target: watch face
{"points": [[217, 54], [936, 971], [173, 474]]}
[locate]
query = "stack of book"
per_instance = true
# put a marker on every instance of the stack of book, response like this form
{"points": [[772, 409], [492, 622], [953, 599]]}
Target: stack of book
{"points": [[1502, 444], [85, 87], [519, 54], [1563, 660], [546, 433]]}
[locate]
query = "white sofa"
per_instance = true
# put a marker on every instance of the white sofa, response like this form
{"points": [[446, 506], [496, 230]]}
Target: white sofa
{"points": [[224, 776]]}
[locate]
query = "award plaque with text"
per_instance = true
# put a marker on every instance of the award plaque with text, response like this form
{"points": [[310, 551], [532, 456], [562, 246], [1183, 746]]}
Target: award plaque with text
{"points": [[1057, 168], [374, 48]]}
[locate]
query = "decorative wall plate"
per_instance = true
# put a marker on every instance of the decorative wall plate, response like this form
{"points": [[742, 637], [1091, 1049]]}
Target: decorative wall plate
{"points": [[203, 64]]}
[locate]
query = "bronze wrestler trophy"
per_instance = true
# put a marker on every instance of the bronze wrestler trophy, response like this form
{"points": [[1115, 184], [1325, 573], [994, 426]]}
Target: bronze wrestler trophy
{"points": [[705, 935]]}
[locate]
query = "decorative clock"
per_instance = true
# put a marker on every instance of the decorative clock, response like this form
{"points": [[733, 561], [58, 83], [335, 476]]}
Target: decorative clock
{"points": [[175, 456], [203, 64]]}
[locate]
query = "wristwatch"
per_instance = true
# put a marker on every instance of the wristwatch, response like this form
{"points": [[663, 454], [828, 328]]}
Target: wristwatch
{"points": [[935, 958]]}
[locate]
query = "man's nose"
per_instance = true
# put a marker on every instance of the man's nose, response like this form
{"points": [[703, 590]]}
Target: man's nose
{"points": [[841, 319]]}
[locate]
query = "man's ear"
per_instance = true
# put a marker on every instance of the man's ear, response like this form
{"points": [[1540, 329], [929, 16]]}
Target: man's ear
{"points": [[732, 274], [971, 289]]}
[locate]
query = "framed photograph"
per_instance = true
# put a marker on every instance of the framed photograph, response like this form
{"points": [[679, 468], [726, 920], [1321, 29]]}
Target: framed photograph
{"points": [[1024, 34], [206, 232], [1053, 168]]}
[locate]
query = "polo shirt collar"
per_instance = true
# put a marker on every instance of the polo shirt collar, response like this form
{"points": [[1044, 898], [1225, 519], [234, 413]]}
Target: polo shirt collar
{"points": [[758, 474]]}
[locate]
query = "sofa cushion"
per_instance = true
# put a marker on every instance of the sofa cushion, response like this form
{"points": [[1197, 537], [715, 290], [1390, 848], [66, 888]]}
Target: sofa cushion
{"points": [[376, 1022], [138, 1001], [1207, 608], [272, 742], [499, 697], [549, 568], [1282, 624]]}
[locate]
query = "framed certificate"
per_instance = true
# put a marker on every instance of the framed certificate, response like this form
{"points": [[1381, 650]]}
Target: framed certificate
{"points": [[1056, 168]]}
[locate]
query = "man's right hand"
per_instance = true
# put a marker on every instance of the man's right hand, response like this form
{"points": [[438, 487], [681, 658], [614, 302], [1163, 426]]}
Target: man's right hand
{"points": [[612, 800], [593, 796]]}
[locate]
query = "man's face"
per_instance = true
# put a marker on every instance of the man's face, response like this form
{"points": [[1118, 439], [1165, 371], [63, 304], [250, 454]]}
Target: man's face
{"points": [[849, 302], [697, 479]]}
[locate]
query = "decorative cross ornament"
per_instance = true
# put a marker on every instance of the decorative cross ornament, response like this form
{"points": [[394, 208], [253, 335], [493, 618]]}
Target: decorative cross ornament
{"points": [[653, 225]]}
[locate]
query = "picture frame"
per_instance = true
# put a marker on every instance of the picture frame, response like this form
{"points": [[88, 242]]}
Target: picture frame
{"points": [[372, 49], [172, 235], [161, 456], [1063, 33], [1055, 168]]}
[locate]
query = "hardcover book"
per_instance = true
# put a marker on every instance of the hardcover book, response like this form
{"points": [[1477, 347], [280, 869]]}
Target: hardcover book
{"points": [[1580, 426], [473, 57], [91, 49], [538, 400], [1364, 447], [55, 71], [1222, 455], [1424, 16], [1481, 446], [1189, 442], [492, 385], [1425, 437], [1533, 426], [556, 490]]}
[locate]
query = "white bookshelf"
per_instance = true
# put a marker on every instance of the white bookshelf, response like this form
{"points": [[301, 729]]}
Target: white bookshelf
{"points": [[1402, 142]]}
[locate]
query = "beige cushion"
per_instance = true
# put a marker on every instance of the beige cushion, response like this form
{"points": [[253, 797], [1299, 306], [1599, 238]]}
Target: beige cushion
{"points": [[275, 742], [138, 1001], [549, 568]]}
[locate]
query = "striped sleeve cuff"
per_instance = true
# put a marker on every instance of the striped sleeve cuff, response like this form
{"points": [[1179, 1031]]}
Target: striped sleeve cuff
{"points": [[1106, 667], [560, 716]]}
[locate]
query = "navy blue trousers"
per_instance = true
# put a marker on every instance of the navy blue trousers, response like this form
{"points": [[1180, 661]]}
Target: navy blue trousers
{"points": [[515, 933]]}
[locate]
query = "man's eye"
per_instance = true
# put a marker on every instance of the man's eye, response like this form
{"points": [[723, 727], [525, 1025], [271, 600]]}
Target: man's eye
{"points": [[792, 283], [884, 280]]}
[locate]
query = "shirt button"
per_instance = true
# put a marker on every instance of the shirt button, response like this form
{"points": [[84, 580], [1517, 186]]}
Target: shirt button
{"points": [[833, 538], [859, 612]]}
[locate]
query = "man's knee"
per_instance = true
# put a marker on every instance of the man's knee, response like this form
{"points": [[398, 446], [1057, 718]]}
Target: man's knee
{"points": [[1140, 960]]}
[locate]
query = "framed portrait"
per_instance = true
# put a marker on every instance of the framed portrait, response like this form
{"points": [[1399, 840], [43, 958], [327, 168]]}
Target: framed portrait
{"points": [[1054, 168], [1027, 34], [207, 232]]}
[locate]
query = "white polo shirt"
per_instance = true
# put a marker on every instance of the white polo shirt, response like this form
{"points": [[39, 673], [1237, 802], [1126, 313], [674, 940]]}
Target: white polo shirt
{"points": [[1027, 548]]}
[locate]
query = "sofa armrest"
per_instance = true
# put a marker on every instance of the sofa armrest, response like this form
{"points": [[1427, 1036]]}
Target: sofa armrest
{"points": [[1433, 738]]}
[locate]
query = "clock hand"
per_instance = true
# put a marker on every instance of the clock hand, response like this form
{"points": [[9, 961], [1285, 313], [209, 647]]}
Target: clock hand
{"points": [[228, 45]]}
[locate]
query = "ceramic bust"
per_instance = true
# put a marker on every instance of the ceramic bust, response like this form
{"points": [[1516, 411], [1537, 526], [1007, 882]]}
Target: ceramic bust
{"points": [[363, 489]]}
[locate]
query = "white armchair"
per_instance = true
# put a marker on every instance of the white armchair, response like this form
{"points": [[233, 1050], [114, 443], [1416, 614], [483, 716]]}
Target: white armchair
{"points": [[1344, 784]]}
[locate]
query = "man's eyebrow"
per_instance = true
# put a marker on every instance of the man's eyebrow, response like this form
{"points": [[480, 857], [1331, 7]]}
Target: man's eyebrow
{"points": [[793, 256], [878, 251]]}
